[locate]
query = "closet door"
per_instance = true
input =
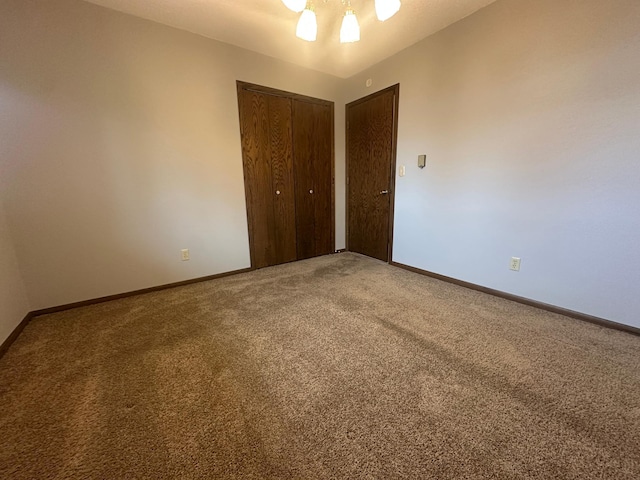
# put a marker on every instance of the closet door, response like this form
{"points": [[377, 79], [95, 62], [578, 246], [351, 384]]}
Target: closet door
{"points": [[313, 159], [265, 125]]}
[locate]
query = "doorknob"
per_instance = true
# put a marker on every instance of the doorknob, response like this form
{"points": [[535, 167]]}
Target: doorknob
{"points": [[310, 191], [277, 192], [384, 192]]}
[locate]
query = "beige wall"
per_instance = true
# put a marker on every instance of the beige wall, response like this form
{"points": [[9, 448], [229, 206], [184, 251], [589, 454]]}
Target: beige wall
{"points": [[529, 113], [13, 297], [120, 146]]}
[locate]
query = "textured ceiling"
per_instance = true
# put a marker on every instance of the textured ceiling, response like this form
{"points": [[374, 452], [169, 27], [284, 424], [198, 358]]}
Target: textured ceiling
{"points": [[268, 27]]}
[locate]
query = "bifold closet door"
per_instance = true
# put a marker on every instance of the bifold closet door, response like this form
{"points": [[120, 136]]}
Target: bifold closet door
{"points": [[313, 156], [266, 123]]}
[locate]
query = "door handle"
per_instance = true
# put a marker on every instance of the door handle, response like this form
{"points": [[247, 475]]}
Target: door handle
{"points": [[384, 192], [277, 192]]}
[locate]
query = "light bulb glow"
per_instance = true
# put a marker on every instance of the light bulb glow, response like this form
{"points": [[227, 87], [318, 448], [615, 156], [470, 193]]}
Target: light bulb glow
{"points": [[307, 25], [385, 9], [350, 30], [295, 5]]}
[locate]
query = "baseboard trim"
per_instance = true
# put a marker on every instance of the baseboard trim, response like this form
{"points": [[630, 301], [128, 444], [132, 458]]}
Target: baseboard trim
{"points": [[118, 296], [525, 301], [497, 293], [61, 308], [15, 334]]}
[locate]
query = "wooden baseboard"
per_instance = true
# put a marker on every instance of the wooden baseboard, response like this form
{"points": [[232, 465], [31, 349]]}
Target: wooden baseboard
{"points": [[526, 301], [60, 308], [15, 334], [118, 296]]}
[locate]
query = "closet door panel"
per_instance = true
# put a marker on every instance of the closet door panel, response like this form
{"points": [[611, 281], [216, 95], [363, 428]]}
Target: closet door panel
{"points": [[254, 118], [282, 179], [304, 151], [312, 145], [323, 180]]}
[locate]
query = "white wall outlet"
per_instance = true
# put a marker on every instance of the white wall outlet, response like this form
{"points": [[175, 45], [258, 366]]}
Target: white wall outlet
{"points": [[403, 171], [515, 264], [184, 254]]}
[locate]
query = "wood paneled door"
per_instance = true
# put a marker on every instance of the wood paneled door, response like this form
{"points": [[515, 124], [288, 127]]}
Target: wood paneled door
{"points": [[287, 152], [313, 124], [371, 154]]}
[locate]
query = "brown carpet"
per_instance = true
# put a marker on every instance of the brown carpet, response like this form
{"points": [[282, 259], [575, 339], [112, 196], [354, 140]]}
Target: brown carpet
{"points": [[334, 367]]}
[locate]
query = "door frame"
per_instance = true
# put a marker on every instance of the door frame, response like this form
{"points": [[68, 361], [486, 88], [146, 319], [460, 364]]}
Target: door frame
{"points": [[252, 87], [394, 150]]}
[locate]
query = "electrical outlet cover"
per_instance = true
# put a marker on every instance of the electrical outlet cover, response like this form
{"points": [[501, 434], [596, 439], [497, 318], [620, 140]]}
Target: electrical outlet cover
{"points": [[515, 264]]}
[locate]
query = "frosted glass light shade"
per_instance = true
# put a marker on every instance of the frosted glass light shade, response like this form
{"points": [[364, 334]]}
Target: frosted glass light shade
{"points": [[295, 5], [307, 26], [385, 9], [350, 30]]}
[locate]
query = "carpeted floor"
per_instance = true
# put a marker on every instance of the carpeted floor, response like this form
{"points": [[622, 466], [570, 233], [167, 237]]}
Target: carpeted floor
{"points": [[334, 367]]}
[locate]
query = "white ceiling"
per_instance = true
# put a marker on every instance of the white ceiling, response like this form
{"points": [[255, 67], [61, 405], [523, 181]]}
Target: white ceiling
{"points": [[268, 27]]}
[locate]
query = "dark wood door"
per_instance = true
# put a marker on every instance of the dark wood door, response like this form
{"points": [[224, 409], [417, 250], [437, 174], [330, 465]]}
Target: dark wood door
{"points": [[265, 125], [313, 158], [287, 152], [371, 130]]}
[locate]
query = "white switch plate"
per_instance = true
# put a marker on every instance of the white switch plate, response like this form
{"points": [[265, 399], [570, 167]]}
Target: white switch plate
{"points": [[403, 171], [515, 264], [184, 254]]}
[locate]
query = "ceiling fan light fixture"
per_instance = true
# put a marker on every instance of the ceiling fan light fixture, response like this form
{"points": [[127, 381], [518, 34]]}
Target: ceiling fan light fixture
{"points": [[295, 5], [307, 25], [350, 30], [385, 9]]}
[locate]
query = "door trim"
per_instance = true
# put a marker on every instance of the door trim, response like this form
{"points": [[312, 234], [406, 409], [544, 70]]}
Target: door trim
{"points": [[252, 87], [394, 150]]}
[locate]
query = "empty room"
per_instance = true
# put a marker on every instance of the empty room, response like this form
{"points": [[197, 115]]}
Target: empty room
{"points": [[293, 239]]}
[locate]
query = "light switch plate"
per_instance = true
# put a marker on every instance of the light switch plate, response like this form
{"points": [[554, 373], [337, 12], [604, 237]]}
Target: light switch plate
{"points": [[403, 171], [422, 161]]}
